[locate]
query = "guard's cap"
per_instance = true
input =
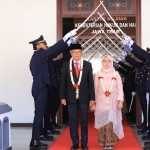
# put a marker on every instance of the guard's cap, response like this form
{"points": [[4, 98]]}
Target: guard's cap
{"points": [[37, 41]]}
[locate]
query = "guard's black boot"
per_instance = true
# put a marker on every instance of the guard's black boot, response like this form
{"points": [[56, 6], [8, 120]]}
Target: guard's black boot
{"points": [[147, 145], [37, 144], [144, 131], [146, 137], [56, 126], [146, 148], [52, 131], [46, 137], [142, 126]]}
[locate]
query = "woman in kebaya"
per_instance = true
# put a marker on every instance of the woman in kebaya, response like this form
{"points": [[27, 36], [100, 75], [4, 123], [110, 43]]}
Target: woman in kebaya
{"points": [[109, 102]]}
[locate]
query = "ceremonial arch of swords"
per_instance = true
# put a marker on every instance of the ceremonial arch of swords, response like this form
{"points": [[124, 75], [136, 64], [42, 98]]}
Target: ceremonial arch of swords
{"points": [[98, 45]]}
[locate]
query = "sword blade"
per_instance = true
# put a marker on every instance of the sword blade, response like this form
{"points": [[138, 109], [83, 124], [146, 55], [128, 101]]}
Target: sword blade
{"points": [[93, 54], [131, 104], [89, 26], [109, 26], [113, 19], [92, 44]]}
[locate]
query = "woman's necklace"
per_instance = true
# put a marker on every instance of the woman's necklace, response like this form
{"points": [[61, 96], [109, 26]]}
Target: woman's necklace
{"points": [[76, 85], [107, 93]]}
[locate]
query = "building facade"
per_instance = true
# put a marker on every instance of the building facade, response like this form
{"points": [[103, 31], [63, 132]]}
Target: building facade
{"points": [[23, 21]]}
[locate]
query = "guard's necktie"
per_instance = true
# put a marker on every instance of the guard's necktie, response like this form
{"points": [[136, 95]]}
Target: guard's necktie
{"points": [[76, 69]]}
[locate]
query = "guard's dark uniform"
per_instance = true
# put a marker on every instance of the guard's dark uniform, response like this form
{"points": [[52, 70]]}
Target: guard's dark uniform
{"points": [[53, 94], [42, 80], [133, 83], [142, 80], [146, 68], [128, 87]]}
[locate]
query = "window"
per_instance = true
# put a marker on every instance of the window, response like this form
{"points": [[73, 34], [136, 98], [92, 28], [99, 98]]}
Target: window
{"points": [[80, 5]]}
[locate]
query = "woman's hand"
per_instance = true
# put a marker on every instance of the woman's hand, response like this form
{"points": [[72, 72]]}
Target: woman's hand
{"points": [[120, 105]]}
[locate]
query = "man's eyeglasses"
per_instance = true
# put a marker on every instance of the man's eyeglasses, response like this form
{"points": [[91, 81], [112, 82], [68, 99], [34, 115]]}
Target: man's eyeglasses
{"points": [[75, 52]]}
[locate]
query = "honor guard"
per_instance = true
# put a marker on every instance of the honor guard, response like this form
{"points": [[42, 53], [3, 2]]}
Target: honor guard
{"points": [[41, 79], [134, 48]]}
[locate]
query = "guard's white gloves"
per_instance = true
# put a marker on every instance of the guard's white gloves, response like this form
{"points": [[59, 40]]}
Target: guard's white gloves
{"points": [[127, 48], [133, 93], [70, 34], [72, 40], [147, 97], [127, 40]]}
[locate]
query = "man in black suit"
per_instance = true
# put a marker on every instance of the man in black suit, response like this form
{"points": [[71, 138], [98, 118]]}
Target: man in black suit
{"points": [[42, 79], [77, 91]]}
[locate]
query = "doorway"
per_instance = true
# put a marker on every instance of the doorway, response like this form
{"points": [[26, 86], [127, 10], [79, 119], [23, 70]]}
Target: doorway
{"points": [[128, 21]]}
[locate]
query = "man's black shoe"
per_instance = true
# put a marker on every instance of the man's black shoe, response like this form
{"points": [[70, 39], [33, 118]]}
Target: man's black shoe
{"points": [[56, 126], [46, 137], [144, 131], [74, 147], [52, 131], [146, 137], [37, 144], [84, 147]]}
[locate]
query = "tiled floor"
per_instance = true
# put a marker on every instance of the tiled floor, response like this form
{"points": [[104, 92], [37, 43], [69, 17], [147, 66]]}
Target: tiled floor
{"points": [[21, 136], [138, 136]]}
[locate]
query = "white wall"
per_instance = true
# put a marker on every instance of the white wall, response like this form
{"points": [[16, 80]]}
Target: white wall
{"points": [[145, 24], [22, 21]]}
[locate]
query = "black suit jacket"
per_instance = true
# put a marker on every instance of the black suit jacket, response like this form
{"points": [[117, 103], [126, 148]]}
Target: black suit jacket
{"points": [[57, 65], [42, 72], [86, 89]]}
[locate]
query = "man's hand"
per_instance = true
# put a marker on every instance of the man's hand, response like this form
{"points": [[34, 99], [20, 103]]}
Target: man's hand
{"points": [[63, 102], [93, 108], [120, 105], [92, 105], [92, 102]]}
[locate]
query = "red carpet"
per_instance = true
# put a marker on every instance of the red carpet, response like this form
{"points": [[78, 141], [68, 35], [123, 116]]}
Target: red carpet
{"points": [[129, 142]]}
